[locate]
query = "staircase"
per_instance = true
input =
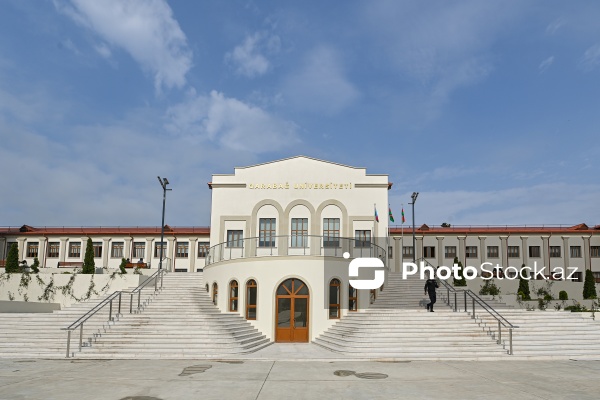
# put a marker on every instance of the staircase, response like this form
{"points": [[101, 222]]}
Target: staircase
{"points": [[398, 326], [181, 322], [39, 335], [549, 334]]}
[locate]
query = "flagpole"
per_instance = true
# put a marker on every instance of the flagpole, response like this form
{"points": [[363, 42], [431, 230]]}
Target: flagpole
{"points": [[402, 237], [387, 238]]}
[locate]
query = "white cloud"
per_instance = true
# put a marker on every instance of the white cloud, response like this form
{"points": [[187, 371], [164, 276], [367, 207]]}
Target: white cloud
{"points": [[248, 58], [103, 50], [320, 85], [544, 65], [437, 47], [556, 203], [555, 26], [231, 123], [144, 29], [591, 58]]}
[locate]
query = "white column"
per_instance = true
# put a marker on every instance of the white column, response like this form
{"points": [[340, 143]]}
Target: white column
{"points": [[462, 256], [149, 250], [587, 262], [62, 253], [42, 250], [503, 252], [398, 258], [440, 240], [171, 251], [546, 251], [483, 249], [127, 249], [193, 252], [21, 244], [524, 249], [566, 252], [83, 248], [105, 250], [2, 247]]}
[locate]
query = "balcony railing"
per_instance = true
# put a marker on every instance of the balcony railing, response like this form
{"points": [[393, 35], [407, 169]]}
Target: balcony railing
{"points": [[294, 245]]}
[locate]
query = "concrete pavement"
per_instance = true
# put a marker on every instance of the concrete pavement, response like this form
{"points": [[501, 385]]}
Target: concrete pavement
{"points": [[251, 379]]}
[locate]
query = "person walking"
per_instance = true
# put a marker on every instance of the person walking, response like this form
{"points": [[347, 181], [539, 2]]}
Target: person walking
{"points": [[430, 286]]}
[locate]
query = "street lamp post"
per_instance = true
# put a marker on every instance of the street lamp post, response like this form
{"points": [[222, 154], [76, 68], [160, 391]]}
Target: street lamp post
{"points": [[163, 182], [414, 199]]}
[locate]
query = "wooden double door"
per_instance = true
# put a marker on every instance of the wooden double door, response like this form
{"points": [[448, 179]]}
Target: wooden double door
{"points": [[291, 322]]}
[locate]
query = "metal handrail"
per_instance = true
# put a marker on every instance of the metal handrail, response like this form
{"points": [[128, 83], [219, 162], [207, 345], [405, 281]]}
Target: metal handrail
{"points": [[476, 299], [155, 276], [307, 245], [80, 322]]}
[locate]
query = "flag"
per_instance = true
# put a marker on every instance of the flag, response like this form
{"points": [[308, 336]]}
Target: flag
{"points": [[403, 219], [391, 215], [376, 216]]}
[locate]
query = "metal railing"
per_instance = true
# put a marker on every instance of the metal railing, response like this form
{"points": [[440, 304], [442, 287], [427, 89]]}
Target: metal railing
{"points": [[94, 311], [79, 323], [155, 277], [293, 245], [476, 300]]}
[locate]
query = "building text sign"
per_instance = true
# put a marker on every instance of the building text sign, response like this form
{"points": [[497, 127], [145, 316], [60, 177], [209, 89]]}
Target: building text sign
{"points": [[305, 185]]}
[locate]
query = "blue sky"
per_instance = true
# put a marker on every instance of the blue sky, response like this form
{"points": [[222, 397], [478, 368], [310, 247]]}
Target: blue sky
{"points": [[491, 110]]}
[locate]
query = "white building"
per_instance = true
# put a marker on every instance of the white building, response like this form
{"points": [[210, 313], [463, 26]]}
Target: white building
{"points": [[274, 251]]}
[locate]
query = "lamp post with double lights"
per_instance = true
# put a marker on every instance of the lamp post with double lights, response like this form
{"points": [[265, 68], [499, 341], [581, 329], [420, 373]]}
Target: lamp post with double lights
{"points": [[414, 199], [163, 182]]}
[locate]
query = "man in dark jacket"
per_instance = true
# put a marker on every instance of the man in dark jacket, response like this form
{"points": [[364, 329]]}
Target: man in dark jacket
{"points": [[430, 286]]}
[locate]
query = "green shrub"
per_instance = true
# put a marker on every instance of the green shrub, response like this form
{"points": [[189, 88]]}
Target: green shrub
{"points": [[589, 285], [122, 266], [12, 260], [524, 287], [562, 295], [35, 267], [89, 266], [489, 288], [461, 281]]}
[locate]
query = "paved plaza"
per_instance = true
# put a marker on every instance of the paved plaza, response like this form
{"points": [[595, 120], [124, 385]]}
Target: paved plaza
{"points": [[300, 379]]}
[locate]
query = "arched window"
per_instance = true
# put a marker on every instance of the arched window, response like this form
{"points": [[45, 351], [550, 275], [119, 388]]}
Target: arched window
{"points": [[352, 298], [373, 296], [334, 299], [233, 296], [251, 292], [207, 289], [215, 293]]}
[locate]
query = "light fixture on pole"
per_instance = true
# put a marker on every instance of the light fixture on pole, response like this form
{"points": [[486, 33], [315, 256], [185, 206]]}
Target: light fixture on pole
{"points": [[163, 182], [414, 199]]}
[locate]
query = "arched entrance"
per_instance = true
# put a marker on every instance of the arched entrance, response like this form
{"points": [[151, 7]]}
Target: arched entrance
{"points": [[291, 321]]}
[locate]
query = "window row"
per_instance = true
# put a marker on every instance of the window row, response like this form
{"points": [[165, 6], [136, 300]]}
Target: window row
{"points": [[494, 251], [334, 310], [138, 250]]}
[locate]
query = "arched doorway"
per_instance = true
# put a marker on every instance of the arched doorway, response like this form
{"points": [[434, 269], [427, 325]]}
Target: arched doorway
{"points": [[291, 321]]}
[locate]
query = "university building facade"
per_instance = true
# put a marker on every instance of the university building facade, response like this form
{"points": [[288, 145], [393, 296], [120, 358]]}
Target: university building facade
{"points": [[280, 237]]}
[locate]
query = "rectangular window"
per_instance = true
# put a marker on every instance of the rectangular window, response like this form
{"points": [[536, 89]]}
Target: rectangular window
{"points": [[362, 238], [575, 251], [450, 251], [157, 248], [139, 250], [407, 251], [554, 251], [513, 251], [203, 249], [331, 232], [471, 252], [75, 250], [235, 238], [390, 252], [299, 232], [53, 249], [117, 250], [534, 251], [266, 232], [182, 250], [429, 251], [596, 276], [595, 251], [492, 252], [32, 249], [97, 249]]}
